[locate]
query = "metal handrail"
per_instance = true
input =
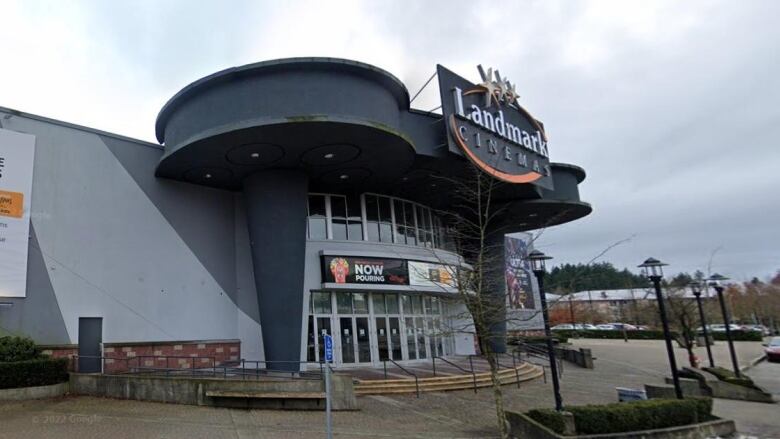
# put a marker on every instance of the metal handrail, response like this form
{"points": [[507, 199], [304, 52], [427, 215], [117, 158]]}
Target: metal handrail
{"points": [[498, 363], [139, 368], [416, 380], [473, 375], [541, 353]]}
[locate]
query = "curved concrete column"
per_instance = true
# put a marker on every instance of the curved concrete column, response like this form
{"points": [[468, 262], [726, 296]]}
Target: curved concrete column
{"points": [[276, 216]]}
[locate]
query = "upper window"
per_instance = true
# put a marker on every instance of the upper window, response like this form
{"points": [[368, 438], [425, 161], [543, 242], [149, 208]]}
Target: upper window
{"points": [[376, 218]]}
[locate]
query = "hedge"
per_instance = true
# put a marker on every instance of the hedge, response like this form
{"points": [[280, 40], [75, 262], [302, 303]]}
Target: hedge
{"points": [[595, 333], [18, 349], [737, 336], [538, 339], [37, 372], [652, 334], [628, 416]]}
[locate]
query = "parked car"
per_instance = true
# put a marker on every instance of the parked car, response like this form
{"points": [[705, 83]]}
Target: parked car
{"points": [[562, 327], [759, 328], [576, 326], [618, 327], [720, 327], [773, 350]]}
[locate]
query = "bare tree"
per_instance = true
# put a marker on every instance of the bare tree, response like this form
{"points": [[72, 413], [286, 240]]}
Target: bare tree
{"points": [[477, 224]]}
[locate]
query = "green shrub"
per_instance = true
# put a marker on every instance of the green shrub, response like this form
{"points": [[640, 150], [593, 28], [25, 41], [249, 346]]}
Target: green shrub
{"points": [[538, 339], [549, 418], [629, 416], [18, 349], [37, 372], [594, 333], [737, 336], [728, 376]]}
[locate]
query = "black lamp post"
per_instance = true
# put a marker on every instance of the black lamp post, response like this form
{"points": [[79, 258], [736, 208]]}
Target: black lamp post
{"points": [[696, 289], [715, 282], [653, 270], [538, 259]]}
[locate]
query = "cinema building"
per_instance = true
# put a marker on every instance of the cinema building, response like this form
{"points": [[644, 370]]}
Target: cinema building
{"points": [[285, 200]]}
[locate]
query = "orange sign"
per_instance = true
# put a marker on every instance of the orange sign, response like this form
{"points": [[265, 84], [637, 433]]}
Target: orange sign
{"points": [[11, 204]]}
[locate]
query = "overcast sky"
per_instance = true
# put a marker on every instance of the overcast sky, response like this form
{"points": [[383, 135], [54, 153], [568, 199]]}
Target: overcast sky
{"points": [[672, 108]]}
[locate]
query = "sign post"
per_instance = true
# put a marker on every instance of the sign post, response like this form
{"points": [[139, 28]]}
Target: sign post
{"points": [[328, 340]]}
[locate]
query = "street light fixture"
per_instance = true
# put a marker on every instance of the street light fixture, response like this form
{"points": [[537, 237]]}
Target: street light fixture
{"points": [[696, 289], [538, 259], [653, 269], [715, 281]]}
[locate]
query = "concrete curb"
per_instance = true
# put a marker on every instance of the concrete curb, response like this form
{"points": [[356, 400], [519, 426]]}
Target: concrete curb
{"points": [[753, 363], [38, 392]]}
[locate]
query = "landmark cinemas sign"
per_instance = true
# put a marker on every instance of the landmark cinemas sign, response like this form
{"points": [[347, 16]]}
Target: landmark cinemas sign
{"points": [[487, 124]]}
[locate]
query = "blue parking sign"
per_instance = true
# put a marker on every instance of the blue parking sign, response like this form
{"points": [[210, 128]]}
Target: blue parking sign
{"points": [[328, 348]]}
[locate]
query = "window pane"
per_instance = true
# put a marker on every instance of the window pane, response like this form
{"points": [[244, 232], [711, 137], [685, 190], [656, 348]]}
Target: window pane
{"points": [[391, 301], [379, 303], [411, 236], [344, 303], [398, 205], [360, 302], [386, 232], [317, 205], [428, 306], [316, 223], [417, 304], [384, 210], [339, 226], [435, 305], [386, 220], [321, 303], [407, 303], [355, 219], [372, 217], [409, 214], [338, 206]]}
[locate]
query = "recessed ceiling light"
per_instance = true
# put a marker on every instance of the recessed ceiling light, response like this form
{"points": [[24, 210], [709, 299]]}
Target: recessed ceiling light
{"points": [[255, 155], [329, 155], [343, 176], [533, 215], [208, 176]]}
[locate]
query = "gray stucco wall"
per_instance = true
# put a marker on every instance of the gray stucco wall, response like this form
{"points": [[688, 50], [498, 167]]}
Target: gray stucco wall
{"points": [[157, 259]]}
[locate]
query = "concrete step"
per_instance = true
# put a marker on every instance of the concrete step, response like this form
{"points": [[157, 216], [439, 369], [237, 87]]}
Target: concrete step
{"points": [[463, 376], [524, 372], [439, 387]]}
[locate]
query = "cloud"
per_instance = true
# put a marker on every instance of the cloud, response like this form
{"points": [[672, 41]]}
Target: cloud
{"points": [[671, 107]]}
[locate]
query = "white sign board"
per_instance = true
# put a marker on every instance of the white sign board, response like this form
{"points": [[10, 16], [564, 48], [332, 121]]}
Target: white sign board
{"points": [[426, 274], [17, 152]]}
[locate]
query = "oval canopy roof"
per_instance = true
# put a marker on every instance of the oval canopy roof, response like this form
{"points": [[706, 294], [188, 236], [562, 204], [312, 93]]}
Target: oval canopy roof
{"points": [[346, 124]]}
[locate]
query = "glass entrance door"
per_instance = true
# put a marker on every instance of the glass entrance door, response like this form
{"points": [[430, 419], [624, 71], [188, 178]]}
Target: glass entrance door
{"points": [[363, 335], [383, 347], [395, 338], [347, 340]]}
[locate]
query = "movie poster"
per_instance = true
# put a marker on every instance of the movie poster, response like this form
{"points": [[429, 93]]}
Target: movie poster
{"points": [[517, 271]]}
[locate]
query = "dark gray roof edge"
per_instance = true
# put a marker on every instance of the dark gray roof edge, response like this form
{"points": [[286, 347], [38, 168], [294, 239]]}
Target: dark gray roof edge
{"points": [[430, 114], [574, 169], [386, 78], [78, 127]]}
